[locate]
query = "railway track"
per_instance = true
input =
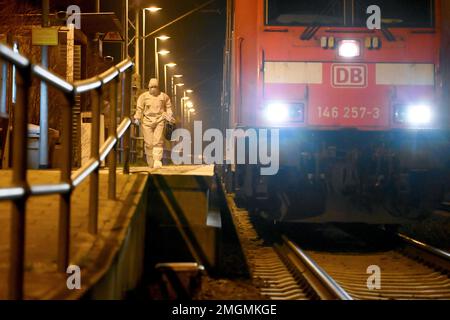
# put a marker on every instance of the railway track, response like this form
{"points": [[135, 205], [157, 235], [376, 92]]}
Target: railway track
{"points": [[284, 271], [412, 271]]}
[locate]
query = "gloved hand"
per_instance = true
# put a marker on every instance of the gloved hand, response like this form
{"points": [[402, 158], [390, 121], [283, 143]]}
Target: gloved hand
{"points": [[168, 117], [137, 122]]}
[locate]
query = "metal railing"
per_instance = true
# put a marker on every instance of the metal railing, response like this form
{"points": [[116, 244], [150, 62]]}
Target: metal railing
{"points": [[118, 80]]}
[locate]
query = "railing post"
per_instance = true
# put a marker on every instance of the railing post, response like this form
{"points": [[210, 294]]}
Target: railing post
{"points": [[20, 133], [64, 199], [112, 157], [97, 102], [127, 113]]}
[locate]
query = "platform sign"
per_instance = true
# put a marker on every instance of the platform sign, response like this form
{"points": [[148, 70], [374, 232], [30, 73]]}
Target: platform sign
{"points": [[44, 36], [113, 37]]}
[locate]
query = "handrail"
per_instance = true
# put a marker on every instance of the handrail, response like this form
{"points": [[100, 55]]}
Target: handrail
{"points": [[118, 80]]}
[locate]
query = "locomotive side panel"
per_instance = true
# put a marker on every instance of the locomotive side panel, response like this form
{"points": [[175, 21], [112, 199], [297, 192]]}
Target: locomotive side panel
{"points": [[245, 61], [445, 60]]}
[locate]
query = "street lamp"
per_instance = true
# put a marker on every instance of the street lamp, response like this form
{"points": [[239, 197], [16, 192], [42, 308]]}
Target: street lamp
{"points": [[183, 107], [178, 85], [167, 65], [162, 38], [190, 111], [152, 9], [185, 98], [172, 83]]}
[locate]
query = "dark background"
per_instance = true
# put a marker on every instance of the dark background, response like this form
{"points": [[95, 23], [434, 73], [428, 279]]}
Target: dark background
{"points": [[196, 44]]}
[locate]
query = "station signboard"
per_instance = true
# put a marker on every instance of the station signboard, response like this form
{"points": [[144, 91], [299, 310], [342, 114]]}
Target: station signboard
{"points": [[44, 36]]}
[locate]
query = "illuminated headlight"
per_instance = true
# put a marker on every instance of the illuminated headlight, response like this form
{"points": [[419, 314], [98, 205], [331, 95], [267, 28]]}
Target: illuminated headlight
{"points": [[349, 48], [277, 112], [419, 114]]}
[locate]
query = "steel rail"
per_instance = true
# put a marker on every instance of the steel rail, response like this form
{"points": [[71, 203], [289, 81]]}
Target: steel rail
{"points": [[423, 246], [332, 288]]}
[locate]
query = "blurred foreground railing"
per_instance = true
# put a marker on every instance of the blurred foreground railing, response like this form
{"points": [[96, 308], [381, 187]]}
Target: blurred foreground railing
{"points": [[118, 81]]}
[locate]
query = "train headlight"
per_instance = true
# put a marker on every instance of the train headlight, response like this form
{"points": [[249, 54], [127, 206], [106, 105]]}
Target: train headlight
{"points": [[349, 48], [277, 112], [282, 112], [418, 114]]}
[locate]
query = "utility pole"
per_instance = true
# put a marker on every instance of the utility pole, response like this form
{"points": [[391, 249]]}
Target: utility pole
{"points": [[125, 31], [43, 139], [144, 41], [137, 48]]}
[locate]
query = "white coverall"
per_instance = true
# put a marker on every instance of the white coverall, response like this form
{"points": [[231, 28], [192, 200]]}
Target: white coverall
{"points": [[151, 111]]}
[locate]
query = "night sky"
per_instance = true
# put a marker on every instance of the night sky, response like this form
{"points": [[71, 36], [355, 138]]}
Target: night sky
{"points": [[196, 46]]}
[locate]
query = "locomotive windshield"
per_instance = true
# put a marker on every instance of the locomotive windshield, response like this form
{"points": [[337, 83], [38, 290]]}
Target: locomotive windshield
{"points": [[305, 12], [394, 13]]}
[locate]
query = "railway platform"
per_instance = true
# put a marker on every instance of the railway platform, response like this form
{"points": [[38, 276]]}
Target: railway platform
{"points": [[112, 260]]}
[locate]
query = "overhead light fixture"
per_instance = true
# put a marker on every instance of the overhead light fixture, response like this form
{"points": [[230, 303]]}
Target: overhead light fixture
{"points": [[163, 38], [153, 9], [164, 52], [190, 104]]}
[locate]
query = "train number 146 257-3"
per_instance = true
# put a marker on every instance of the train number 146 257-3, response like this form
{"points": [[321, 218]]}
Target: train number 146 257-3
{"points": [[349, 113]]}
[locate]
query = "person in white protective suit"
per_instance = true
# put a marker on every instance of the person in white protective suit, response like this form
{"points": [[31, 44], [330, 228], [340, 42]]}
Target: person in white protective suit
{"points": [[153, 109]]}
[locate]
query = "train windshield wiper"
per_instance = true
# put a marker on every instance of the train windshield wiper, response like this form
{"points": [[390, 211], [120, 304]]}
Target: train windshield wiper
{"points": [[310, 31], [385, 29], [314, 26]]}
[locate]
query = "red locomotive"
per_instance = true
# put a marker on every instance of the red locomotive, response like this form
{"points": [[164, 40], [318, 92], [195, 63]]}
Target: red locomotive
{"points": [[364, 126]]}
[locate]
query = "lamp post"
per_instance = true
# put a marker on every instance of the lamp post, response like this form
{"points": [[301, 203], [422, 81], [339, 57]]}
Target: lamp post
{"points": [[183, 102], [167, 65], [184, 99], [189, 106], [157, 53], [190, 111], [144, 38], [178, 85], [172, 83]]}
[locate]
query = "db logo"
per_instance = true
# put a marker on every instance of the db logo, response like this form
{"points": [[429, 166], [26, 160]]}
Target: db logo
{"points": [[349, 75]]}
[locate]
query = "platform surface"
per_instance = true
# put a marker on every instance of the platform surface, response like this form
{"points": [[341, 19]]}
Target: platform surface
{"points": [[185, 170], [41, 279]]}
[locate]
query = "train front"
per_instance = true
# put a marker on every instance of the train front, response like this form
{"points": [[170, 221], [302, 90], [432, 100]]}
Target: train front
{"points": [[355, 86]]}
